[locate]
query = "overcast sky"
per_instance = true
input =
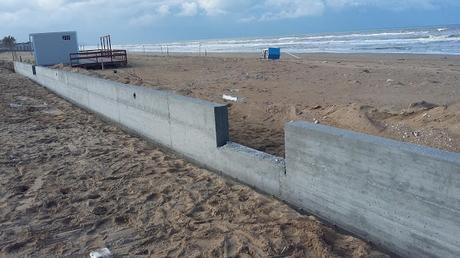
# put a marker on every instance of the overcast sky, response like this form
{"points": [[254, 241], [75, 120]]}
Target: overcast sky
{"points": [[143, 21]]}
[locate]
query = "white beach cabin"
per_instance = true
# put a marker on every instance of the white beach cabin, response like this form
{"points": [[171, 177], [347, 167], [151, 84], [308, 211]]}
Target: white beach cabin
{"points": [[54, 47]]}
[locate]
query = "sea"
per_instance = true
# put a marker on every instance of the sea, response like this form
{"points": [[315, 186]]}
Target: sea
{"points": [[423, 40]]}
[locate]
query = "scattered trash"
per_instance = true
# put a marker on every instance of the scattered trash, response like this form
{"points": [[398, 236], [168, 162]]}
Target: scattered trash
{"points": [[416, 134], [101, 253], [230, 98], [366, 71], [316, 107], [423, 105], [292, 55], [14, 105], [390, 81], [284, 249], [316, 121]]}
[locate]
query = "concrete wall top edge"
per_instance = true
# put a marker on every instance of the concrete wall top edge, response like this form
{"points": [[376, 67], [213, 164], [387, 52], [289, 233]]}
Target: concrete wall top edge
{"points": [[143, 89], [135, 87], [195, 100], [253, 152], [376, 140], [22, 64]]}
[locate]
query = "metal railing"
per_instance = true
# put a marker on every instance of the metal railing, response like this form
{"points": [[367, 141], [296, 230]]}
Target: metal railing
{"points": [[99, 57]]}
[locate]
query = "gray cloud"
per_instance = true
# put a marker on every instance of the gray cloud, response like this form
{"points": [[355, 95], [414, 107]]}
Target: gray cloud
{"points": [[37, 15]]}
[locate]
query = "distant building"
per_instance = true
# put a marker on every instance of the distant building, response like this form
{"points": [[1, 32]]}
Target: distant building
{"points": [[23, 46], [54, 47]]}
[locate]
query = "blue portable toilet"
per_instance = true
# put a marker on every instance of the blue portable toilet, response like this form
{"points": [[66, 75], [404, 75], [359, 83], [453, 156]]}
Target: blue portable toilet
{"points": [[274, 53]]}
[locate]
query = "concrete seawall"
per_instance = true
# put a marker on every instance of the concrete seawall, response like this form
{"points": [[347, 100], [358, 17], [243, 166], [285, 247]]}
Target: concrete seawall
{"points": [[398, 195], [404, 197], [194, 128]]}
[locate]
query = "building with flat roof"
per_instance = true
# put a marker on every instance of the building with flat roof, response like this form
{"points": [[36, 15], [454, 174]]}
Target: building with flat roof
{"points": [[54, 47]]}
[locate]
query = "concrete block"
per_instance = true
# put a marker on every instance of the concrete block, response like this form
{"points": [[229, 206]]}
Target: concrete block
{"points": [[23, 69], [146, 112], [401, 196], [57, 81], [252, 167], [193, 126]]}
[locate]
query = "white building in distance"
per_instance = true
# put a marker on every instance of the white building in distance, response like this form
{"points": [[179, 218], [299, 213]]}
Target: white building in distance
{"points": [[54, 47]]}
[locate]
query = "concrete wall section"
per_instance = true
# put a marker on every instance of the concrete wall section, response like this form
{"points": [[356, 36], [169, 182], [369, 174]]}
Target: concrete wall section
{"points": [[23, 69], [265, 169], [145, 111], [192, 127], [401, 196], [184, 124]]}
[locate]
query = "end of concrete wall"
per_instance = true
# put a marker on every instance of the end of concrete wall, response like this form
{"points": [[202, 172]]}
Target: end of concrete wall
{"points": [[401, 196], [24, 69], [221, 118]]}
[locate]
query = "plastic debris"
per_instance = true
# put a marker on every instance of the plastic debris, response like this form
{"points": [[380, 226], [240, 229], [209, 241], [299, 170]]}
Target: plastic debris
{"points": [[101, 253], [230, 98]]}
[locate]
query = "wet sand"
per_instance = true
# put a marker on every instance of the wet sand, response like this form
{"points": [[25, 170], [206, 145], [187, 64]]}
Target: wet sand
{"points": [[71, 183]]}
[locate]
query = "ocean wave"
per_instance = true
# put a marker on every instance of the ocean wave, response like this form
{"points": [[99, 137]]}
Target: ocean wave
{"points": [[426, 40]]}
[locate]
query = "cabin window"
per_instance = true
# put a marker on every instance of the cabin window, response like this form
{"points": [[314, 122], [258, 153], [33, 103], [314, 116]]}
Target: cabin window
{"points": [[66, 37]]}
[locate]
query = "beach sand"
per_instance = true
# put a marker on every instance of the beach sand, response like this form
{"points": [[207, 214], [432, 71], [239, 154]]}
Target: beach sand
{"points": [[71, 183], [412, 98]]}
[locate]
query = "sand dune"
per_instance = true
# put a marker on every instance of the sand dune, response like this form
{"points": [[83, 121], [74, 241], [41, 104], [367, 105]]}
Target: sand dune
{"points": [[71, 183]]}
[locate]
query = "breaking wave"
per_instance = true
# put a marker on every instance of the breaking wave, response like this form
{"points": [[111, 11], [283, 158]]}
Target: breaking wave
{"points": [[420, 40]]}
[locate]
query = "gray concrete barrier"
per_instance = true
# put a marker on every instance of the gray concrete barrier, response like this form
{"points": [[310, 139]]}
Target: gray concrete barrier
{"points": [[24, 69], [401, 196], [192, 127]]}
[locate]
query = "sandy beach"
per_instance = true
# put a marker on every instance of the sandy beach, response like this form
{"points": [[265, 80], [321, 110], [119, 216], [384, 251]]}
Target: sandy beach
{"points": [[72, 183], [230, 129], [412, 98]]}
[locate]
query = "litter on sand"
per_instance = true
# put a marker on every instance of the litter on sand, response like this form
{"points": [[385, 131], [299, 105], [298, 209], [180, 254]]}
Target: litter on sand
{"points": [[101, 253], [230, 98]]}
